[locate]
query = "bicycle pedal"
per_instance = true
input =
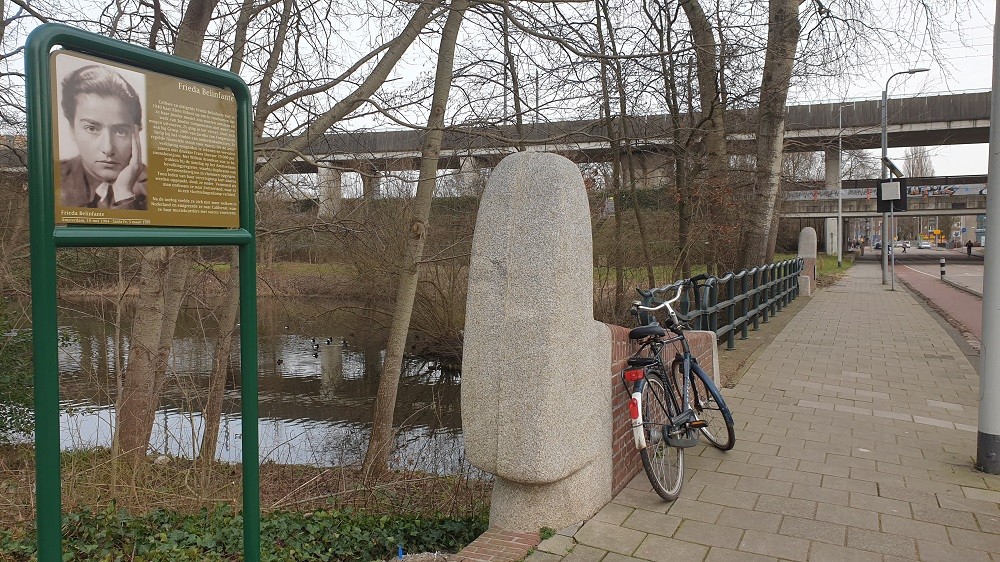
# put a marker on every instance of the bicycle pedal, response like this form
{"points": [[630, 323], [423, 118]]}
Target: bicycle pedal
{"points": [[698, 424]]}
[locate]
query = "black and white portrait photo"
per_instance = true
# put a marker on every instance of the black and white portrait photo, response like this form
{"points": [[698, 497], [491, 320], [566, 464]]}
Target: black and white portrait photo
{"points": [[101, 135]]}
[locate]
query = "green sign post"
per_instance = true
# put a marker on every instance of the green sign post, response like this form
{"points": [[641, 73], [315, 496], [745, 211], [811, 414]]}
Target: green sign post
{"points": [[131, 147]]}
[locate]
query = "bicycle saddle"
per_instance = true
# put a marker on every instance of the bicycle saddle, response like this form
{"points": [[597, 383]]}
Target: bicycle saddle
{"points": [[646, 331]]}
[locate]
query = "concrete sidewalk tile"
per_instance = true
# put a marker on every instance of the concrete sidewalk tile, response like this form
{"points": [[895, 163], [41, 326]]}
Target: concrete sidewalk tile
{"points": [[850, 461], [823, 468], [693, 509], [988, 523], [978, 540], [900, 468], [968, 504], [711, 479], [820, 494], [946, 517], [749, 519], [926, 485], [615, 557], [611, 538], [701, 462], [614, 513], [769, 544], [584, 553], [728, 497], [717, 554], [848, 485], [823, 552], [931, 551], [934, 422], [691, 491], [876, 476], [913, 528], [908, 495], [761, 486], [743, 469], [665, 549], [982, 494], [884, 543], [654, 523], [881, 505], [795, 476], [770, 459], [847, 516], [641, 499], [822, 531], [709, 534], [786, 506], [540, 556], [557, 544]]}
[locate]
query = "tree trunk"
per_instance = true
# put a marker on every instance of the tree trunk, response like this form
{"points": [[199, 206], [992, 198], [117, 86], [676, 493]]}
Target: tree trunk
{"points": [[212, 414], [761, 225], [712, 119], [191, 31], [376, 459], [163, 276]]}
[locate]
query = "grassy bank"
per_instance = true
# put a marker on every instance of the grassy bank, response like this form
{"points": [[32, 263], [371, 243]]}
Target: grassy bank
{"points": [[181, 510]]}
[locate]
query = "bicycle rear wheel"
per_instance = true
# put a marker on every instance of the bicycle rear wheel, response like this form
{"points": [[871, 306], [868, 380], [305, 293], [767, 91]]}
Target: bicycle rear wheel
{"points": [[664, 464], [707, 402]]}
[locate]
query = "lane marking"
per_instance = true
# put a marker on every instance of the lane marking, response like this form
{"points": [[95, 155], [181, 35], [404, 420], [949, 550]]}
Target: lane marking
{"points": [[921, 272]]}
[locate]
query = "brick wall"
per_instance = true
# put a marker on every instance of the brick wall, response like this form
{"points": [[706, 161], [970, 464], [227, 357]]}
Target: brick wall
{"points": [[624, 456]]}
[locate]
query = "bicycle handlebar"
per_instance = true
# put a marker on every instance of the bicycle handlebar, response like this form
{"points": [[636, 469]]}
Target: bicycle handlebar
{"points": [[679, 286]]}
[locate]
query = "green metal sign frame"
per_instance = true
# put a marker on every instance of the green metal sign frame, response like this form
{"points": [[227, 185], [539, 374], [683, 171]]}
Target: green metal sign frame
{"points": [[46, 238]]}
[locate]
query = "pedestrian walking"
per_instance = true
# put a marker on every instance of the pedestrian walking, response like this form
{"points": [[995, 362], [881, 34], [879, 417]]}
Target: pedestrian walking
{"points": [[968, 248]]}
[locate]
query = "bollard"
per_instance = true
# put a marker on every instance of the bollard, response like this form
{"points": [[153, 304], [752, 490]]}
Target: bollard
{"points": [[942, 268]]}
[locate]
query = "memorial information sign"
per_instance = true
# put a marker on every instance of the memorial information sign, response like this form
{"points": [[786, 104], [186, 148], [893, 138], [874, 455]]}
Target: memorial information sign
{"points": [[134, 147]]}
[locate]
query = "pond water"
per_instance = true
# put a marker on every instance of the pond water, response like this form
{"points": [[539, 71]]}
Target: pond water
{"points": [[319, 369]]}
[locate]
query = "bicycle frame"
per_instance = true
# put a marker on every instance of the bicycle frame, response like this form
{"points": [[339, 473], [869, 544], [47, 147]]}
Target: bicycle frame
{"points": [[684, 407]]}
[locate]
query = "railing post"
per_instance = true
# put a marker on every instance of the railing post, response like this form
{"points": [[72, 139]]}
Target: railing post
{"points": [[745, 309], [784, 284], [713, 302], [771, 279], [731, 313], [756, 298]]}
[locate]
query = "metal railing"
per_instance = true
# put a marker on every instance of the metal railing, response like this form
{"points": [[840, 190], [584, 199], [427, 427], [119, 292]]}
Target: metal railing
{"points": [[734, 302]]}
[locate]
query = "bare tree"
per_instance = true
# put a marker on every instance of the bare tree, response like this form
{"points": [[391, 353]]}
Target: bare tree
{"points": [[761, 231], [380, 446]]}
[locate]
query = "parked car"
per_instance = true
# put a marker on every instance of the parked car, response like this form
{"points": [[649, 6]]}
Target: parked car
{"points": [[924, 245]]}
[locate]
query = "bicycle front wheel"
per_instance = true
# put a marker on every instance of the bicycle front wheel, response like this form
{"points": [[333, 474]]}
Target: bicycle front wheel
{"points": [[664, 464], [707, 402]]}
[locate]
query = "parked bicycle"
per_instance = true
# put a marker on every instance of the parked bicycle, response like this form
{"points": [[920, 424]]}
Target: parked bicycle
{"points": [[671, 402]]}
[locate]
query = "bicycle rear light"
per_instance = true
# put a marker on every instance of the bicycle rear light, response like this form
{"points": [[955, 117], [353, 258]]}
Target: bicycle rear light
{"points": [[632, 375]]}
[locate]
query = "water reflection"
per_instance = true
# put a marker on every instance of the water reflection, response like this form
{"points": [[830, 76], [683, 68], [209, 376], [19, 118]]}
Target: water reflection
{"points": [[319, 372]]}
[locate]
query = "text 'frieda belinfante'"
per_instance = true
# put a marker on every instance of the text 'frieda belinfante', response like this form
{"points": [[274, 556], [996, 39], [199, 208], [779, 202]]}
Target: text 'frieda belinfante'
{"points": [[206, 92]]}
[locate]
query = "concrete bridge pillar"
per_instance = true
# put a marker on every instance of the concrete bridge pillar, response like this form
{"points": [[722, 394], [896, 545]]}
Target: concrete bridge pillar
{"points": [[468, 177], [536, 403], [331, 191], [656, 170], [833, 181], [371, 180]]}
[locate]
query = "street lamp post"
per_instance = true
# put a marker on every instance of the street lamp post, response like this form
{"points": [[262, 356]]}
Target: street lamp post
{"points": [[840, 186], [885, 170]]}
